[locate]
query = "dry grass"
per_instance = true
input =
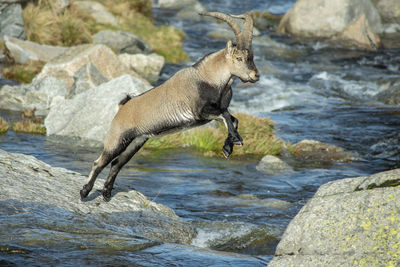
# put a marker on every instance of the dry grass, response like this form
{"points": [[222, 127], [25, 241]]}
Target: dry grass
{"points": [[28, 126], [3, 126], [74, 26], [23, 73], [257, 133]]}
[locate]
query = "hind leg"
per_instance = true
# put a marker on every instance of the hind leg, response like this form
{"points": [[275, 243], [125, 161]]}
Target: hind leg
{"points": [[119, 162]]}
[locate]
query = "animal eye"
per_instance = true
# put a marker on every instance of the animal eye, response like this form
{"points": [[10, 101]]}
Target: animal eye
{"points": [[239, 59]]}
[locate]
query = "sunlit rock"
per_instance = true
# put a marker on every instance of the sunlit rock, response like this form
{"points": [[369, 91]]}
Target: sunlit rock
{"points": [[147, 66], [31, 183], [348, 222]]}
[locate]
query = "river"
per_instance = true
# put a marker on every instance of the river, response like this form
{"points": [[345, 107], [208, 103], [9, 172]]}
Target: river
{"points": [[310, 91]]}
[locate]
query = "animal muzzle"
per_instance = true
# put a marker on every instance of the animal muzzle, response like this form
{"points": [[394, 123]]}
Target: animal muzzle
{"points": [[254, 76]]}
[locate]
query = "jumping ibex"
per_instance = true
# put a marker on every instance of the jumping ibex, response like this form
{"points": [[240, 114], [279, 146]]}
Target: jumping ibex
{"points": [[193, 96]]}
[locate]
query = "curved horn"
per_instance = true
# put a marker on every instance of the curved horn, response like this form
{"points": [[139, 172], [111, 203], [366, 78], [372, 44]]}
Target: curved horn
{"points": [[231, 22], [247, 33]]}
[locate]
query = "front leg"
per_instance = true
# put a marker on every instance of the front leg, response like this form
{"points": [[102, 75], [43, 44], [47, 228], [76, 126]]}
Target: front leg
{"points": [[233, 138]]}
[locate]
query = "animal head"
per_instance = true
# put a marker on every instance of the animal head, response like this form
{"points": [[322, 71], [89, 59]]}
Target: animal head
{"points": [[240, 56]]}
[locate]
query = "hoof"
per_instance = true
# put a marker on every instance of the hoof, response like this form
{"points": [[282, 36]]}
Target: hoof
{"points": [[237, 140], [238, 143], [227, 151], [84, 192], [106, 195]]}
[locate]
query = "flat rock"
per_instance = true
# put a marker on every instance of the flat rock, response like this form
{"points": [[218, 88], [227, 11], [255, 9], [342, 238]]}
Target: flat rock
{"points": [[390, 96], [67, 64], [28, 180], [98, 12], [11, 21], [349, 222], [24, 51], [325, 18], [123, 42], [87, 116], [147, 66], [38, 94]]}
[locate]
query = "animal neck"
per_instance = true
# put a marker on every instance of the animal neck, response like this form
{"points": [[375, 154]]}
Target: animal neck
{"points": [[213, 69]]}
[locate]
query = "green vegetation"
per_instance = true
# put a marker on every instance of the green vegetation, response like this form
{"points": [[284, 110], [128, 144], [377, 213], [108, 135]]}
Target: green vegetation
{"points": [[74, 26], [3, 126], [23, 73], [257, 133], [28, 126]]}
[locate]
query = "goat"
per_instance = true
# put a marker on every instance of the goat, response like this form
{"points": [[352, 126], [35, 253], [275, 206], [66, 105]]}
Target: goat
{"points": [[192, 97]]}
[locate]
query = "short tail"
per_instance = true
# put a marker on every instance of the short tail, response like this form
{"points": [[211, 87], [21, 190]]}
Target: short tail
{"points": [[124, 100]]}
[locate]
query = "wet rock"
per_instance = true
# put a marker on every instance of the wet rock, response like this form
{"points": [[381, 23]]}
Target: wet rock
{"points": [[25, 179], [359, 34], [87, 116], [348, 222], [24, 51], [390, 96], [389, 10], [123, 42], [225, 33], [315, 151], [147, 66], [325, 18], [11, 22], [66, 65], [273, 166], [85, 78], [38, 94], [98, 12]]}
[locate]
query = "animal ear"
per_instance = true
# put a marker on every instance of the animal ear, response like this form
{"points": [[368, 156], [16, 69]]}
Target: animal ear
{"points": [[229, 47]]}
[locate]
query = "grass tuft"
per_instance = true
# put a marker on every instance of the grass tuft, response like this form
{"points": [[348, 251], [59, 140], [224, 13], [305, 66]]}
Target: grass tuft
{"points": [[3, 126], [257, 133], [27, 126], [23, 73]]}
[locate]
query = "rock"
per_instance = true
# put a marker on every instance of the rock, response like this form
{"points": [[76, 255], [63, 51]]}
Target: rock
{"points": [[88, 115], [390, 96], [273, 166], [67, 64], [98, 12], [123, 42], [60, 5], [11, 22], [226, 33], [27, 180], [37, 95], [359, 34], [192, 12], [349, 222], [85, 78], [315, 151], [147, 66], [325, 18], [389, 10], [177, 4], [24, 51]]}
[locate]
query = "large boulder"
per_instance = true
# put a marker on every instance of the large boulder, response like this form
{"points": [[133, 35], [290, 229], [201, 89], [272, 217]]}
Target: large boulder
{"points": [[11, 21], [147, 66], [389, 10], [123, 42], [98, 12], [34, 188], [349, 222], [38, 94], [87, 116], [325, 18], [67, 64], [24, 51]]}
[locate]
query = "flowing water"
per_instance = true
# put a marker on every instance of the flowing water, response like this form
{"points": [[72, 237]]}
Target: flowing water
{"points": [[311, 91]]}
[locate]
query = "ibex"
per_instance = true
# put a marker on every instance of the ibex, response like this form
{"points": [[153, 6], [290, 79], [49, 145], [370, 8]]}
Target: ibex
{"points": [[193, 96]]}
